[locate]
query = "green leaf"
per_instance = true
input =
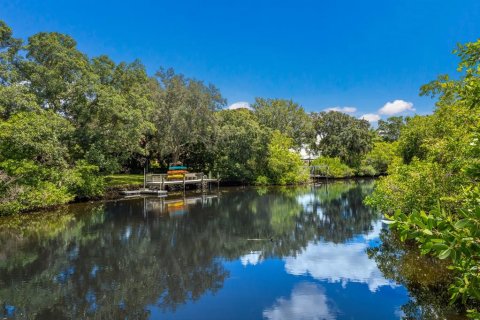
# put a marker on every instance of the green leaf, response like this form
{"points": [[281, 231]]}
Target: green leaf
{"points": [[427, 232], [445, 254], [460, 224], [439, 247]]}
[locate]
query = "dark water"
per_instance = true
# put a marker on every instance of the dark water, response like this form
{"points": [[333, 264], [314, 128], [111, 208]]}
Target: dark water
{"points": [[237, 253]]}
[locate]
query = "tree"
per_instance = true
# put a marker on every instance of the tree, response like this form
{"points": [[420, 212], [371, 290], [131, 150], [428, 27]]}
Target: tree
{"points": [[240, 145], [390, 129], [9, 48], [287, 117], [113, 126], [39, 137], [184, 114], [342, 136], [414, 138], [57, 73], [14, 95]]}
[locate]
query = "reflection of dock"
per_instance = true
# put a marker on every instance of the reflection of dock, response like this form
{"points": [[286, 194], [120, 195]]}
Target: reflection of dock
{"points": [[176, 206], [144, 192]]}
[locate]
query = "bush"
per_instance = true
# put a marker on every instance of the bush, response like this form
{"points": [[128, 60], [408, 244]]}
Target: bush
{"points": [[85, 181], [419, 185], [332, 168], [366, 171], [381, 156], [23, 197], [25, 185], [449, 236], [283, 165], [262, 181]]}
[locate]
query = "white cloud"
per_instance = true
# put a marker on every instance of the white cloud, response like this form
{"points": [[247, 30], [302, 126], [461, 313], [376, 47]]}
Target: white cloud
{"points": [[307, 301], [397, 106], [252, 258], [240, 105], [342, 109], [370, 117], [344, 263]]}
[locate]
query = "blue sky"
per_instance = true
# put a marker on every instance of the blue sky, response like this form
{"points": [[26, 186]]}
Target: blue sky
{"points": [[321, 54]]}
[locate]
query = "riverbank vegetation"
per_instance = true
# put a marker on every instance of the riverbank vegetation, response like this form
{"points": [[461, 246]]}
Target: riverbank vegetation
{"points": [[68, 120], [431, 193]]}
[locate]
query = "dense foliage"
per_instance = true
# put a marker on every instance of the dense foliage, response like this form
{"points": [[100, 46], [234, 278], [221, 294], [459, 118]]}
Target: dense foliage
{"points": [[68, 120], [332, 168], [432, 195], [342, 136]]}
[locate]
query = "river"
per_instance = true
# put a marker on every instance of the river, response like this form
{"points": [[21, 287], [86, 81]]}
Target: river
{"points": [[313, 252]]}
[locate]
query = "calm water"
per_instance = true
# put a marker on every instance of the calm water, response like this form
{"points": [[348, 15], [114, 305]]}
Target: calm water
{"points": [[236, 253]]}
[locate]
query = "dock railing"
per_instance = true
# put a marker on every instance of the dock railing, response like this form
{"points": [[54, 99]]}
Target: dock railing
{"points": [[161, 180]]}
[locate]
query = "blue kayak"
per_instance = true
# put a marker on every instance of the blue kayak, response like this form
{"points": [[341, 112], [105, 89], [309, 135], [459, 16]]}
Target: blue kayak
{"points": [[177, 168]]}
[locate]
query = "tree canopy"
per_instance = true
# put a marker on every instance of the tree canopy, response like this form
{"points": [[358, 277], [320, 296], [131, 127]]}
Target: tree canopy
{"points": [[343, 136]]}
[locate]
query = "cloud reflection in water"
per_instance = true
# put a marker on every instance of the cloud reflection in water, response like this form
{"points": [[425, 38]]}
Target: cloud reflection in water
{"points": [[307, 301], [346, 262]]}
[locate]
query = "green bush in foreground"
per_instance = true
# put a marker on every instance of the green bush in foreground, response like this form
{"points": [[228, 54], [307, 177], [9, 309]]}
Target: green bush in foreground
{"points": [[417, 186], [450, 236], [432, 196]]}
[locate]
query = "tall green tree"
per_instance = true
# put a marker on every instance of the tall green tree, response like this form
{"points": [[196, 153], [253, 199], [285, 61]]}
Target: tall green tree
{"points": [[184, 114], [115, 123], [390, 129], [57, 73], [287, 117], [15, 95], [342, 136], [240, 145]]}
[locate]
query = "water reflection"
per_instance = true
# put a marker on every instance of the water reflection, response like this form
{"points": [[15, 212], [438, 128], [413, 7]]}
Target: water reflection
{"points": [[307, 301], [342, 263], [151, 257], [426, 278]]}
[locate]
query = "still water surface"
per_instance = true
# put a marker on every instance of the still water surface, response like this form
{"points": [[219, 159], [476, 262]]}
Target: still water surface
{"points": [[235, 253]]}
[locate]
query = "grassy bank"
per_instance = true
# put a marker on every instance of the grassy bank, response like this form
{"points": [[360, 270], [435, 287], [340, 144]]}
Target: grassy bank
{"points": [[123, 180]]}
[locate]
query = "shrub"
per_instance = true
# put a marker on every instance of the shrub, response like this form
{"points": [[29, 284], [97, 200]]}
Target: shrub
{"points": [[23, 197], [381, 156], [332, 168], [85, 181], [284, 166], [366, 171], [449, 236], [262, 181], [419, 185]]}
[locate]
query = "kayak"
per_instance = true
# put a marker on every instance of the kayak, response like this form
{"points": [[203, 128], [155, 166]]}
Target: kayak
{"points": [[176, 172], [175, 176], [177, 168]]}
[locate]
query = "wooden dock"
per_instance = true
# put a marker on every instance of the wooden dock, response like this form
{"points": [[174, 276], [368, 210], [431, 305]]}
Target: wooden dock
{"points": [[161, 181]]}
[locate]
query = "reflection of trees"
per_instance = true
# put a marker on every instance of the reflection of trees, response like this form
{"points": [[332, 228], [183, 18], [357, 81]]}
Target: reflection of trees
{"points": [[112, 269], [115, 259], [426, 278], [341, 211]]}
